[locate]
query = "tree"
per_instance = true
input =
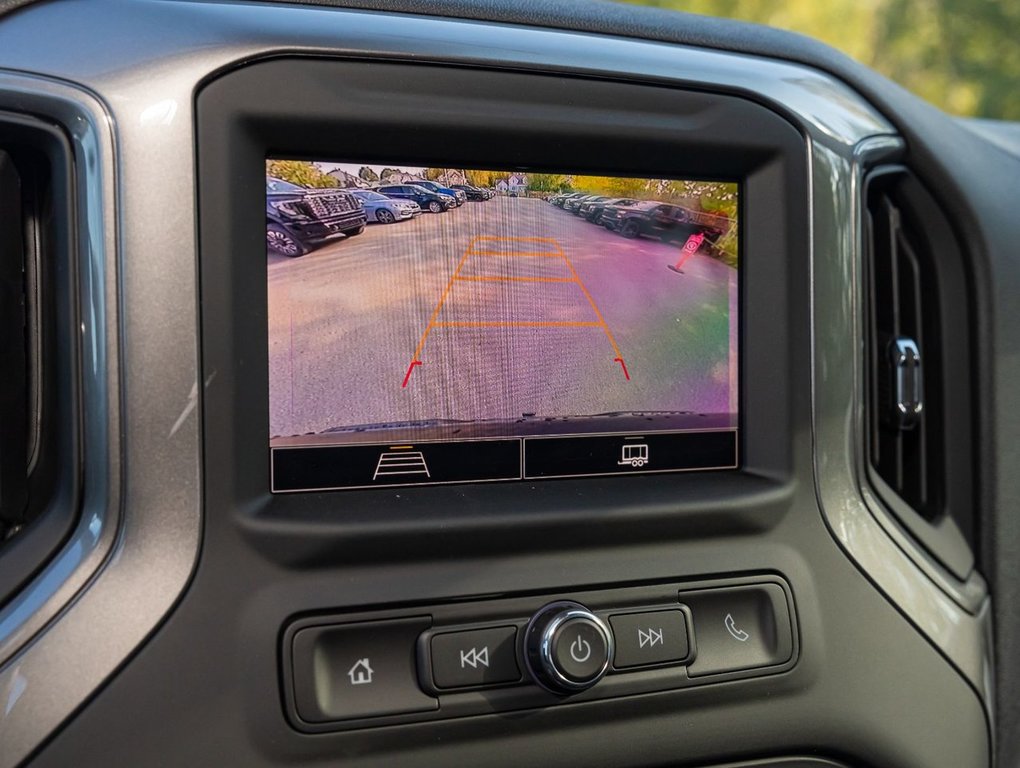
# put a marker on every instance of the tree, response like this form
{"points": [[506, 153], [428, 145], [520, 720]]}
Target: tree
{"points": [[300, 172], [482, 178], [368, 174], [961, 55], [432, 174], [387, 172], [545, 182]]}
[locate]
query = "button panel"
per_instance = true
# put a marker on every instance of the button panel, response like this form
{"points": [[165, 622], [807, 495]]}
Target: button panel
{"points": [[467, 658]]}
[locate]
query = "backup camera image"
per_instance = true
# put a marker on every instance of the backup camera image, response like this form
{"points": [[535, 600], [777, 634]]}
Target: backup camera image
{"points": [[450, 324]]}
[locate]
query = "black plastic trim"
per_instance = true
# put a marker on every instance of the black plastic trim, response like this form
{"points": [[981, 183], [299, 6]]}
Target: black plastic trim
{"points": [[703, 135]]}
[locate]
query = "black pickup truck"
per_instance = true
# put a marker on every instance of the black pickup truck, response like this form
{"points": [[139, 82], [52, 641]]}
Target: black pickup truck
{"points": [[663, 221], [298, 218]]}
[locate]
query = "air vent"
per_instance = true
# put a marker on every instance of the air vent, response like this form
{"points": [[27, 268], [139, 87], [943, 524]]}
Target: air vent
{"points": [[38, 347], [919, 367], [13, 343]]}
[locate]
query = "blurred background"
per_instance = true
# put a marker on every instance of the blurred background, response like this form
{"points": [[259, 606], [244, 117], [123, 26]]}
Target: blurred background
{"points": [[961, 55]]}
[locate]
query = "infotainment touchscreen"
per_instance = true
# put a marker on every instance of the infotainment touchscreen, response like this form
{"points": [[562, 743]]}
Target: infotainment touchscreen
{"points": [[450, 325]]}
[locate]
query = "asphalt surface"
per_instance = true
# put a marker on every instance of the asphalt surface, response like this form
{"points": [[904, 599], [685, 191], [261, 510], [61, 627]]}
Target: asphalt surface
{"points": [[347, 321]]}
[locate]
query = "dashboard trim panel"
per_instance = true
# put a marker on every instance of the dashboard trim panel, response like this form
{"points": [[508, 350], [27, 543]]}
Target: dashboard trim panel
{"points": [[131, 113]]}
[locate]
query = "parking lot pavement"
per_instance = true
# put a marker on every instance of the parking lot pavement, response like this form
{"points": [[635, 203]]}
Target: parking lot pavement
{"points": [[347, 321]]}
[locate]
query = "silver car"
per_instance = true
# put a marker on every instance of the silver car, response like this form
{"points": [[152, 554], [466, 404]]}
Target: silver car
{"points": [[385, 210]]}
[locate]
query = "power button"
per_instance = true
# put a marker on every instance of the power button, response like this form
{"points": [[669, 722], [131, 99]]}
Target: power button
{"points": [[567, 647], [579, 649]]}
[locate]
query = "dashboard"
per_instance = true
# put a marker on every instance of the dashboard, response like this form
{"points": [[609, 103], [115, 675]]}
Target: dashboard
{"points": [[600, 386]]}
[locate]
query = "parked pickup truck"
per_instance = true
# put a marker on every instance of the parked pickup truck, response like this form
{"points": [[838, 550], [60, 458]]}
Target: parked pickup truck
{"points": [[298, 218], [663, 221]]}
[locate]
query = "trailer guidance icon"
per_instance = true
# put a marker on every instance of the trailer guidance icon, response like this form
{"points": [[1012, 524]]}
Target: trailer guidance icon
{"points": [[634, 454]]}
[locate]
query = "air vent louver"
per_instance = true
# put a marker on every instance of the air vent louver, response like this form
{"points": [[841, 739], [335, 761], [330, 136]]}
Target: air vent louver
{"points": [[920, 408], [900, 448]]}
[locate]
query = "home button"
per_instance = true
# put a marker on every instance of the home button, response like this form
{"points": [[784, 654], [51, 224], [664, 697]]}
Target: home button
{"points": [[353, 671]]}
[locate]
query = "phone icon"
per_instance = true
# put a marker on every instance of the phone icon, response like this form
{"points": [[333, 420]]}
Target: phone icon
{"points": [[731, 627]]}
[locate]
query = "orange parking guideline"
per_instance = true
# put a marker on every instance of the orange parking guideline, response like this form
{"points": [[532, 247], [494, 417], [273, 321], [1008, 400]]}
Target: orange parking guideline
{"points": [[557, 253], [519, 239], [439, 306], [500, 239], [503, 279], [516, 254], [609, 334], [517, 323]]}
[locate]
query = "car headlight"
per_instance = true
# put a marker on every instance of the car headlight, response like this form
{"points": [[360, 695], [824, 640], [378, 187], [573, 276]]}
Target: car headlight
{"points": [[291, 208]]}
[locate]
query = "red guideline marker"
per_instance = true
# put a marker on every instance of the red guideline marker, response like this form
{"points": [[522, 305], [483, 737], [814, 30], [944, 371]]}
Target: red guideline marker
{"points": [[690, 248], [622, 365], [410, 368]]}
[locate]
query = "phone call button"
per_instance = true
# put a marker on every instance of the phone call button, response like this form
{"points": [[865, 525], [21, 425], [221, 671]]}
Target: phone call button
{"points": [[739, 628]]}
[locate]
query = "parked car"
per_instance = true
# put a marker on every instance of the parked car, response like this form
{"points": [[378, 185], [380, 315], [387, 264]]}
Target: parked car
{"points": [[651, 218], [298, 218], [582, 208], [473, 193], [561, 200], [573, 203], [385, 210], [439, 189], [425, 198], [592, 211]]}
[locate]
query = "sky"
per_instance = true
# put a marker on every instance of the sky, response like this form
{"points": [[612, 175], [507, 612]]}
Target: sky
{"points": [[353, 168]]}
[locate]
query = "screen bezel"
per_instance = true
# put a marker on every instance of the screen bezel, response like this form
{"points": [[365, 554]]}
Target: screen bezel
{"points": [[331, 108]]}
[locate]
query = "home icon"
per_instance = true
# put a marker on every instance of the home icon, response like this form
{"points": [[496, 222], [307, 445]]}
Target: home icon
{"points": [[361, 673]]}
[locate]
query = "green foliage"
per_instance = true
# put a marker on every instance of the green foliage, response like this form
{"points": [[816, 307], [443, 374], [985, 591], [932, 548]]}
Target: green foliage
{"points": [[961, 55], [546, 182], [387, 172], [299, 172], [367, 174], [484, 178]]}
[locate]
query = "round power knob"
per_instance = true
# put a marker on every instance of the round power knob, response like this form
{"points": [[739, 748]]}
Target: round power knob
{"points": [[567, 648]]}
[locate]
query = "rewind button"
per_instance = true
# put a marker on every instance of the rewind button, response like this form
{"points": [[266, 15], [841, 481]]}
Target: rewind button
{"points": [[474, 658]]}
